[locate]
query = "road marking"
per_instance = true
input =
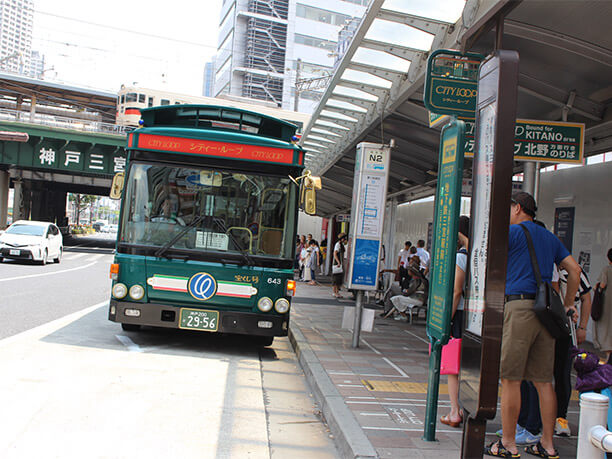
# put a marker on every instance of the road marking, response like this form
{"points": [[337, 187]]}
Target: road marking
{"points": [[47, 274], [350, 385], [374, 414], [417, 336], [49, 327], [394, 366], [127, 342]]}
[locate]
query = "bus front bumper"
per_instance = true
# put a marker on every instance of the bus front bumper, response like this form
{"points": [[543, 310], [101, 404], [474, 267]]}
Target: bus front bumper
{"points": [[162, 315]]}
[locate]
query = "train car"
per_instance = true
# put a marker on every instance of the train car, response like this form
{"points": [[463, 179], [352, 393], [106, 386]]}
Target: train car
{"points": [[132, 99]]}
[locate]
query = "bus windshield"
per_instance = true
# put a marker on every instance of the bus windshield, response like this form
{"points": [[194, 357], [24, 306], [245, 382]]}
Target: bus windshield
{"points": [[207, 210]]}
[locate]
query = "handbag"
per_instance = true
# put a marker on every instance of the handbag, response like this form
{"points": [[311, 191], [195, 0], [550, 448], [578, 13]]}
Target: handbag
{"points": [[548, 306], [597, 304], [451, 357], [337, 269]]}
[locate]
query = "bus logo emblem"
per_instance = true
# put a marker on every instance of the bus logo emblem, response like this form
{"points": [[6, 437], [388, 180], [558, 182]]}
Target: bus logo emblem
{"points": [[202, 286]]}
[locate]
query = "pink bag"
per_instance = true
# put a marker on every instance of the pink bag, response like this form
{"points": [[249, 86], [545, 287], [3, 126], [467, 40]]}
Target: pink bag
{"points": [[451, 357]]}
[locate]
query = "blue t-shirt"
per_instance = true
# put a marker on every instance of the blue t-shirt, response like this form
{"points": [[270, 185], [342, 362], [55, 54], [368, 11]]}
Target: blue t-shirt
{"points": [[520, 277]]}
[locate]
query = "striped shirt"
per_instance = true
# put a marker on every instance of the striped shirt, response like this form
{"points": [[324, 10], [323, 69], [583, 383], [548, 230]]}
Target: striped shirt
{"points": [[583, 289]]}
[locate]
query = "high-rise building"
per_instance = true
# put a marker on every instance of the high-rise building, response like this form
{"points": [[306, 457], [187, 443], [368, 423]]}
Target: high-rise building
{"points": [[209, 78], [260, 42], [16, 19], [37, 65]]}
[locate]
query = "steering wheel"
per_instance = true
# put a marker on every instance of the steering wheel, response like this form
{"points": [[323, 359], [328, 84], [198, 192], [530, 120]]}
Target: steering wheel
{"points": [[166, 219]]}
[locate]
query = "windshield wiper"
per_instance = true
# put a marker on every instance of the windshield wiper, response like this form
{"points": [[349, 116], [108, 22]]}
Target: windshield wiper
{"points": [[243, 251], [180, 234]]}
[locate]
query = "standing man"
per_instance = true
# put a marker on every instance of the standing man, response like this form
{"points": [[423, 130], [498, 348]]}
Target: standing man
{"points": [[423, 255], [563, 360], [338, 265], [402, 262], [527, 349]]}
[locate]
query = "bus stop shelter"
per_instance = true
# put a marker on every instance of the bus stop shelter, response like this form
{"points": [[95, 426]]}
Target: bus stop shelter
{"points": [[376, 92]]}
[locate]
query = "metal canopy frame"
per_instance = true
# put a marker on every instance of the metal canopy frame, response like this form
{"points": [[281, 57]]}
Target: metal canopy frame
{"points": [[557, 66]]}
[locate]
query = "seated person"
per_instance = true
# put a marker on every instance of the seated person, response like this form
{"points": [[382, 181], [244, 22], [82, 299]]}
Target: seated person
{"points": [[412, 296]]}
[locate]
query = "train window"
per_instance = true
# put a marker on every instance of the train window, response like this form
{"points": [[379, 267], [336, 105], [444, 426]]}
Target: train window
{"points": [[165, 102], [150, 102], [131, 97], [122, 98], [141, 98]]}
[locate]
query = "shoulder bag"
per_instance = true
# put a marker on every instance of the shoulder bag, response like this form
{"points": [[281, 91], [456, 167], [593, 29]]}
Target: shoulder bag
{"points": [[597, 304], [548, 306]]}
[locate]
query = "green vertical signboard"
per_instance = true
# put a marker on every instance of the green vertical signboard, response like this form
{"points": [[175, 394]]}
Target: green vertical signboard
{"points": [[448, 200]]}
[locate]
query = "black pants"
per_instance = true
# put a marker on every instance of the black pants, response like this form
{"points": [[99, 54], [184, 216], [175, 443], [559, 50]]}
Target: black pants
{"points": [[563, 382], [529, 416]]}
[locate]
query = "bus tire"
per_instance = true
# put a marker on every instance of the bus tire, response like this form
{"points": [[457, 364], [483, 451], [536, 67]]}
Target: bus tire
{"points": [[130, 327], [264, 341]]}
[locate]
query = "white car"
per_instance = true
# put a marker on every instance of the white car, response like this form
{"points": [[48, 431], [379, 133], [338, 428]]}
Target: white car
{"points": [[113, 228], [30, 240], [104, 229]]}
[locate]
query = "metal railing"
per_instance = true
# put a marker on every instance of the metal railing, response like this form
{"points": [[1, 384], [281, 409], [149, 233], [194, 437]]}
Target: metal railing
{"points": [[63, 122], [594, 440]]}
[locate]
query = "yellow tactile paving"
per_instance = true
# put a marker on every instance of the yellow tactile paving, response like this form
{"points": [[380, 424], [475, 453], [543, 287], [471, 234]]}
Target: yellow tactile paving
{"points": [[395, 386]]}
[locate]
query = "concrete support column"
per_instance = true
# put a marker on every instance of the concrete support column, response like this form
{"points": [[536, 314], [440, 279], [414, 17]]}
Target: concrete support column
{"points": [[331, 240], [32, 107], [389, 234], [529, 177], [4, 191], [18, 200]]}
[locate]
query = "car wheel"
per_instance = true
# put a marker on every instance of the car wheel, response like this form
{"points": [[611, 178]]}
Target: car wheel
{"points": [[44, 258], [59, 256], [263, 341], [130, 327]]}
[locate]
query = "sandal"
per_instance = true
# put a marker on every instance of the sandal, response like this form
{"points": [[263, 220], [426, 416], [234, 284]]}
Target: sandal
{"points": [[539, 451], [447, 421], [501, 450]]}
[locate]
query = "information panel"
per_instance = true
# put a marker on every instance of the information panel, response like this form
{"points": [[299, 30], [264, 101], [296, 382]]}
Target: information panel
{"points": [[367, 214], [448, 200]]}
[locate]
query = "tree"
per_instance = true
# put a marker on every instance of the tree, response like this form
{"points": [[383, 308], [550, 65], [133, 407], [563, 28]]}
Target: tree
{"points": [[81, 202]]}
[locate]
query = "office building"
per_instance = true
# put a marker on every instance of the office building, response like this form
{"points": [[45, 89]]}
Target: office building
{"points": [[260, 42], [16, 19], [209, 78]]}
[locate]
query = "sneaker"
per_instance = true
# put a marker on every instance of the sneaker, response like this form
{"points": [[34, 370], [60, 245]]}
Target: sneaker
{"points": [[401, 318], [519, 431], [562, 428], [527, 438]]}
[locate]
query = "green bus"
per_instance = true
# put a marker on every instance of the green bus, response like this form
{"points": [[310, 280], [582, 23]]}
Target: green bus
{"points": [[208, 219]]}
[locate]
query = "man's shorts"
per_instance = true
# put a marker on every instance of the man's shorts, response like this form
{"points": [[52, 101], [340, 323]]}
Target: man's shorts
{"points": [[528, 350]]}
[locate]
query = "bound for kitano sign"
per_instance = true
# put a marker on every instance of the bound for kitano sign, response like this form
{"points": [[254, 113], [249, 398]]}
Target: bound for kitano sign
{"points": [[544, 141]]}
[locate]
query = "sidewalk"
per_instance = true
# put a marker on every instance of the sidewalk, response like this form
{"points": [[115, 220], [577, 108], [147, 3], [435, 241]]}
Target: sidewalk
{"points": [[373, 397]]}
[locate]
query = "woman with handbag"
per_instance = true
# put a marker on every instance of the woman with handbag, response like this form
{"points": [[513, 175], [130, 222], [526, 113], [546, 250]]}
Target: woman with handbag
{"points": [[602, 329], [338, 265], [455, 417]]}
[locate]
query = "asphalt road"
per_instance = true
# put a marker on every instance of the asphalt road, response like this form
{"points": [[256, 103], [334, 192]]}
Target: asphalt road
{"points": [[76, 385]]}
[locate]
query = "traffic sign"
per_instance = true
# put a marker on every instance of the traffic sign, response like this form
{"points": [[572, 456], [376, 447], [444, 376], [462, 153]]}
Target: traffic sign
{"points": [[451, 84]]}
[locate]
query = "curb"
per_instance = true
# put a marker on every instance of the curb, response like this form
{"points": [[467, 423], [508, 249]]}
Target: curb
{"points": [[349, 437]]}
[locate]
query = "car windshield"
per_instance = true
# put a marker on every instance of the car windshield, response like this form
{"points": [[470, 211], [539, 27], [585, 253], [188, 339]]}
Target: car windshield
{"points": [[26, 230], [209, 210]]}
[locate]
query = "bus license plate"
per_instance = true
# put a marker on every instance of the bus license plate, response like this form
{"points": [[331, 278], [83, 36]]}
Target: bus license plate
{"points": [[198, 319]]}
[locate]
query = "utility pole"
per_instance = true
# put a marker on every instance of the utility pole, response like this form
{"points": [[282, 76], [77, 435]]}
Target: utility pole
{"points": [[298, 69]]}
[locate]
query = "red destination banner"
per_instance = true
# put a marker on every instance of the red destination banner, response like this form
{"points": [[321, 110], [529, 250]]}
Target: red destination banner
{"points": [[213, 148]]}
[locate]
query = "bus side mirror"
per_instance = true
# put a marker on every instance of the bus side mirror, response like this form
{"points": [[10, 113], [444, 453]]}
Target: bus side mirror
{"points": [[117, 186], [309, 194]]}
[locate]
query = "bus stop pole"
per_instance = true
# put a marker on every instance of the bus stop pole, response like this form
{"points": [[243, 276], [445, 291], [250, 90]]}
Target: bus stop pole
{"points": [[358, 314], [433, 386]]}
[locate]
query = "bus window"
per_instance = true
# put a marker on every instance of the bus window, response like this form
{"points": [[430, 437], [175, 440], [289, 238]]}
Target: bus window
{"points": [[165, 102], [131, 97], [141, 98], [122, 98], [150, 104]]}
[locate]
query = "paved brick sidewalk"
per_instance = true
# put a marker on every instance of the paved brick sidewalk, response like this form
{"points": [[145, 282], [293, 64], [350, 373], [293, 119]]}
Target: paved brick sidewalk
{"points": [[374, 397]]}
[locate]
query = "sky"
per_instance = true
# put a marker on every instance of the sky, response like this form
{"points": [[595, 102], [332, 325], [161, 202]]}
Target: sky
{"points": [[106, 44]]}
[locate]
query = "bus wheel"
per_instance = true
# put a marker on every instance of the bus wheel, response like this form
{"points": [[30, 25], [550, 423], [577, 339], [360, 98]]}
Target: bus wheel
{"points": [[130, 327], [264, 340]]}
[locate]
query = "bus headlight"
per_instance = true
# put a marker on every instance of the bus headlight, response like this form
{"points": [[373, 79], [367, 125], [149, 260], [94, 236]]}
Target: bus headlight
{"points": [[281, 305], [119, 290], [265, 304], [136, 292]]}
